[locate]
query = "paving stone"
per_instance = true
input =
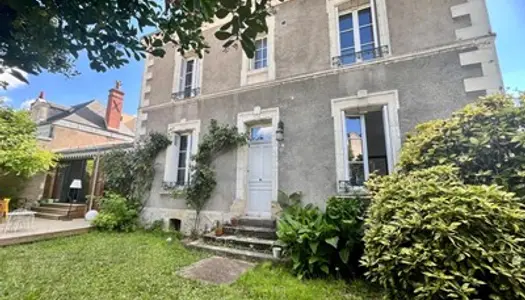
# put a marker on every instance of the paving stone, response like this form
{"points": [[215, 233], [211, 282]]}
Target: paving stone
{"points": [[216, 270]]}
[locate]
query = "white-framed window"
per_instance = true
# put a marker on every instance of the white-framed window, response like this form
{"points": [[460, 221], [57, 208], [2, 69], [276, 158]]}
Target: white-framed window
{"points": [[177, 168], [357, 36], [261, 67], [183, 169], [362, 157], [189, 78], [260, 59], [358, 30], [367, 137]]}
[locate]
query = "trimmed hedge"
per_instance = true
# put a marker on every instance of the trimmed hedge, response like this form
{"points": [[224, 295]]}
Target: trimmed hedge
{"points": [[485, 140], [430, 236]]}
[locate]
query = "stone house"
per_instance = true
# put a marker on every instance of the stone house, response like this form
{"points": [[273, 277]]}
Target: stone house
{"points": [[79, 134], [346, 79]]}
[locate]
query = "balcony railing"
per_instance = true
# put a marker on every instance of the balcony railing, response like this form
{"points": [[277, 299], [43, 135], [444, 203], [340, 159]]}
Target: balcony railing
{"points": [[187, 93], [356, 57]]}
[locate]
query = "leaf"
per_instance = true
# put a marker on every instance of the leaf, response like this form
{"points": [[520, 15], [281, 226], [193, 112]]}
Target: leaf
{"points": [[228, 43], [231, 4], [344, 254], [222, 35], [314, 246], [222, 13], [325, 269], [18, 75], [332, 241]]}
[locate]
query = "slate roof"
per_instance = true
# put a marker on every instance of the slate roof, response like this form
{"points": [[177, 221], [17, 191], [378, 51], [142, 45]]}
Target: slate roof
{"points": [[91, 113]]}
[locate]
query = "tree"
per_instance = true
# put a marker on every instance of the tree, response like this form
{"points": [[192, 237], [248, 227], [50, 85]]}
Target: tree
{"points": [[20, 156], [50, 34]]}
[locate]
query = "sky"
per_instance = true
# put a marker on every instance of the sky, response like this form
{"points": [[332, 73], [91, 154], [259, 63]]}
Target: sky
{"points": [[507, 20]]}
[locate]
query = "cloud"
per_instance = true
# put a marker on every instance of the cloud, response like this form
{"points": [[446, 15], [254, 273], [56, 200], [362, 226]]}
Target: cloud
{"points": [[26, 105], [5, 100], [12, 82]]}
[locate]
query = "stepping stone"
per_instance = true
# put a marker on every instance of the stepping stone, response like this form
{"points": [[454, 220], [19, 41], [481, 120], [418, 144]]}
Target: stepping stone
{"points": [[216, 270]]}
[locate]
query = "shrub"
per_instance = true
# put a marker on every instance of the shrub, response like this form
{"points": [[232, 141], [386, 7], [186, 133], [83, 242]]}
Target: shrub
{"points": [[430, 236], [116, 213], [320, 243], [485, 140]]}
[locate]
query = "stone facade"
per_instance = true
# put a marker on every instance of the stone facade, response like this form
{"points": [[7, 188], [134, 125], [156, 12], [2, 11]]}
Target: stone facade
{"points": [[435, 64]]}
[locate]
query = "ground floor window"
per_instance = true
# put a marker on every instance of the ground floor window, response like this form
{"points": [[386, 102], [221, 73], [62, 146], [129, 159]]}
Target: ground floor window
{"points": [[183, 161], [365, 146]]}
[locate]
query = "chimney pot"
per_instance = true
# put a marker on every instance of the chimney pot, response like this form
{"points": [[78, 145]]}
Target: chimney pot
{"points": [[114, 107]]}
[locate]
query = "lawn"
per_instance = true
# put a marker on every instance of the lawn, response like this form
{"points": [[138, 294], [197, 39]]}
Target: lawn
{"points": [[142, 266]]}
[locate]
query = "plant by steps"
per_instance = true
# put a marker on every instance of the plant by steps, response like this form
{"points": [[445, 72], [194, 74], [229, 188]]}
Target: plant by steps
{"points": [[320, 243], [116, 213], [219, 139]]}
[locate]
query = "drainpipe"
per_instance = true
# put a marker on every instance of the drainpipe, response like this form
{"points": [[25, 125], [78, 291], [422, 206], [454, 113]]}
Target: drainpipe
{"points": [[94, 185]]}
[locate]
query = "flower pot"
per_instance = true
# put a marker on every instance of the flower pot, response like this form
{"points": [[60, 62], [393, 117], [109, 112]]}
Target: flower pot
{"points": [[219, 231], [277, 252]]}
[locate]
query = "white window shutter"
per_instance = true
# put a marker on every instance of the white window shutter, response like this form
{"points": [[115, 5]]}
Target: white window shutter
{"points": [[182, 75], [197, 74], [172, 160]]}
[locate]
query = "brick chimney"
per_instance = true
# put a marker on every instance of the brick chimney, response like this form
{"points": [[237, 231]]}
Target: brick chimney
{"points": [[114, 107]]}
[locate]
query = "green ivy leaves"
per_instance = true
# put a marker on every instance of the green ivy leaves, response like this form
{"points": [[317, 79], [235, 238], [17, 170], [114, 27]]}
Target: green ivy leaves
{"points": [[219, 139]]}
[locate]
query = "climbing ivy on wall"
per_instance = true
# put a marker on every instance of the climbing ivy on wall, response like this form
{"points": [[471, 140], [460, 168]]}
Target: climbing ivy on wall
{"points": [[218, 140], [130, 173]]}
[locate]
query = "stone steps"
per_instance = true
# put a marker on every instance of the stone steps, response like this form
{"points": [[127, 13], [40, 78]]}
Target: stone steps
{"points": [[231, 252], [250, 239], [60, 211], [251, 231], [248, 243]]}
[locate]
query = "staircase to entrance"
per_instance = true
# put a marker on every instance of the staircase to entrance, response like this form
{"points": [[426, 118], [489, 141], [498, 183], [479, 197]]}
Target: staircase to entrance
{"points": [[60, 211], [250, 239]]}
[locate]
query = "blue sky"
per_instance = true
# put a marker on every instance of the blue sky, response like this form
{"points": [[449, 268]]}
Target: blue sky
{"points": [[507, 18]]}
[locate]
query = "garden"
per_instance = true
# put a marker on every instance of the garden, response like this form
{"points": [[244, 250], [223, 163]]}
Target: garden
{"points": [[448, 224]]}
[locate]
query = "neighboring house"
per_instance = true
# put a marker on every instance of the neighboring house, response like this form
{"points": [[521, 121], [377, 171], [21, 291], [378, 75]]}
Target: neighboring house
{"points": [[347, 79], [79, 134]]}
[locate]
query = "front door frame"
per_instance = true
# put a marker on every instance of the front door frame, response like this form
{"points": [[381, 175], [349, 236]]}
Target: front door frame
{"points": [[246, 120]]}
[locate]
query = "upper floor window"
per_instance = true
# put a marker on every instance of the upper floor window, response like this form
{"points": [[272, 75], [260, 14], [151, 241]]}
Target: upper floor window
{"points": [[358, 30], [356, 36], [189, 78], [260, 60], [261, 67]]}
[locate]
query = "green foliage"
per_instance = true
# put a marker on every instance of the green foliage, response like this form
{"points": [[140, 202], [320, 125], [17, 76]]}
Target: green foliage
{"points": [[286, 201], [324, 243], [485, 140], [130, 173], [108, 31], [430, 236], [116, 213], [20, 154], [219, 139]]}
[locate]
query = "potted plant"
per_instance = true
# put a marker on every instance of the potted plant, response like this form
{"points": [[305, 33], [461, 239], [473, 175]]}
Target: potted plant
{"points": [[219, 229], [277, 249]]}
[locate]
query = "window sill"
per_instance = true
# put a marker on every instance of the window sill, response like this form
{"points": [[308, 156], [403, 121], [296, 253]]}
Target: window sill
{"points": [[257, 71]]}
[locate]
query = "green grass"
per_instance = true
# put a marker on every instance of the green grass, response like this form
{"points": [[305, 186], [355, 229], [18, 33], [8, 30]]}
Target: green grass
{"points": [[142, 266]]}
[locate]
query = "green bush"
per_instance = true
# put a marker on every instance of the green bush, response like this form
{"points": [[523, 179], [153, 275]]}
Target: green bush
{"points": [[430, 236], [320, 243], [485, 140], [116, 213]]}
